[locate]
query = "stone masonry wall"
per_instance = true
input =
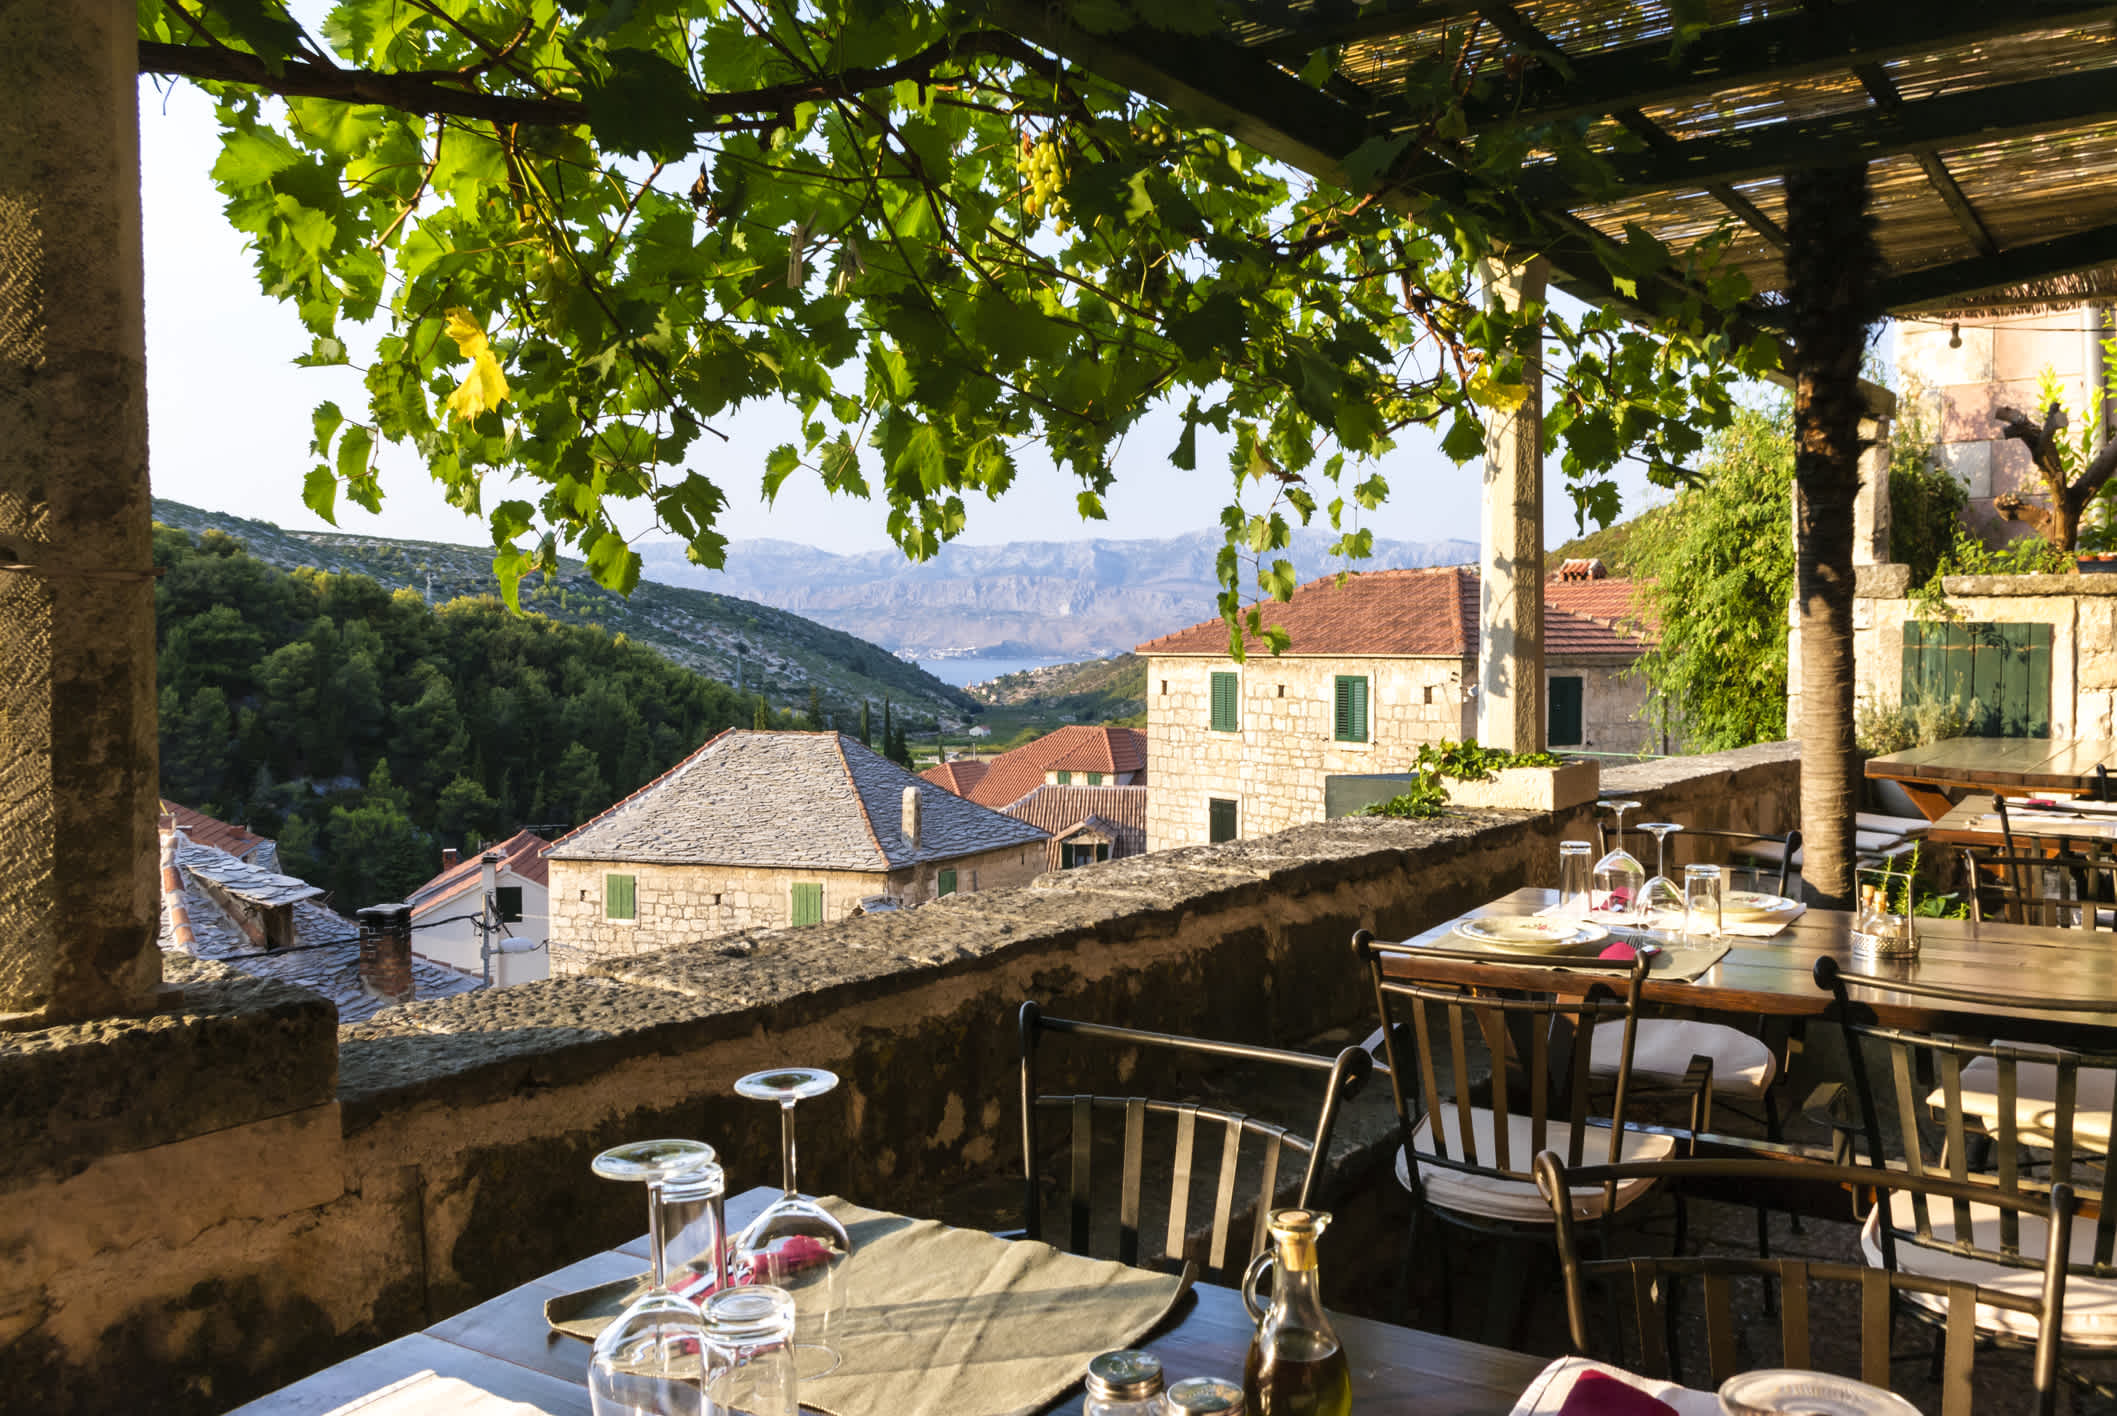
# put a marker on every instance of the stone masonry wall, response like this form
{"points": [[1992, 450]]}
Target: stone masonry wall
{"points": [[1273, 767], [683, 904], [182, 1238]]}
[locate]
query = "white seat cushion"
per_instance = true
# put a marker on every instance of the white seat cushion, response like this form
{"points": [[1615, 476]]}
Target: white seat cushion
{"points": [[1663, 1048], [2091, 1303], [1518, 1201], [2035, 1095]]}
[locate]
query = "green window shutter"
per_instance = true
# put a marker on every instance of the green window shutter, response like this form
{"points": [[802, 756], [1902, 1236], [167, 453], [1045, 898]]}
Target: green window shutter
{"points": [[1095, 779], [1349, 709], [1065, 779], [619, 901], [1220, 819], [1564, 727], [1226, 704], [948, 882], [808, 904]]}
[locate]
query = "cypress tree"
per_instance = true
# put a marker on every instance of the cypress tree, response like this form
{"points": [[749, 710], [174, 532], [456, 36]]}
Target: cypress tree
{"points": [[761, 719], [867, 730], [815, 709]]}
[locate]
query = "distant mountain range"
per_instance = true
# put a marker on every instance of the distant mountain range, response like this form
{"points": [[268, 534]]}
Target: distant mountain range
{"points": [[1078, 599], [735, 640]]}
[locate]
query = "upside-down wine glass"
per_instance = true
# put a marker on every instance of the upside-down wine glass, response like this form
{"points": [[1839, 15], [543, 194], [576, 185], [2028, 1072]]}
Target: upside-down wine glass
{"points": [[650, 1361], [796, 1244], [1660, 896], [1619, 877]]}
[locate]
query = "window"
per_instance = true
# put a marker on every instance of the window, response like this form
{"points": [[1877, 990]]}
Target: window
{"points": [[1074, 853], [1349, 715], [1095, 779], [948, 883], [808, 904], [1563, 728], [1065, 779], [1227, 703], [1165, 688], [2005, 669], [618, 898], [1220, 819], [509, 898]]}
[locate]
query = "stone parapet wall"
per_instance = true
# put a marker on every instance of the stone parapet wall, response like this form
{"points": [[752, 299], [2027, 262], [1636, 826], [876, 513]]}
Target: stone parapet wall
{"points": [[2082, 613], [185, 1270]]}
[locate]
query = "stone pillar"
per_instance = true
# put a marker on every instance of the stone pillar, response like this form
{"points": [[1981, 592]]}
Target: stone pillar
{"points": [[1870, 506], [1510, 697], [77, 695], [386, 951]]}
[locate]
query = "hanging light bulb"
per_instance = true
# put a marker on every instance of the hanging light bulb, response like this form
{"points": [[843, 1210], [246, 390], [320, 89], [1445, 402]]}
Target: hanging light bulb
{"points": [[1955, 336]]}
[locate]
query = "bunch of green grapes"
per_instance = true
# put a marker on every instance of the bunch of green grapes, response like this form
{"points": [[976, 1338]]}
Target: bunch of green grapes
{"points": [[1043, 166], [1154, 132]]}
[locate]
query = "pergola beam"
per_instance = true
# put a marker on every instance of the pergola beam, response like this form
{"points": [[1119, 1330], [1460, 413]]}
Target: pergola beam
{"points": [[1886, 97], [2036, 108], [2064, 255]]}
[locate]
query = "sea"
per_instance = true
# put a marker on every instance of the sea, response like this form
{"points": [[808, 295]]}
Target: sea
{"points": [[969, 670]]}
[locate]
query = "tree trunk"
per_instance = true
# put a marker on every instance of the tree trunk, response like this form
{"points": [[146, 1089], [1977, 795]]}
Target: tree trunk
{"points": [[1831, 263]]}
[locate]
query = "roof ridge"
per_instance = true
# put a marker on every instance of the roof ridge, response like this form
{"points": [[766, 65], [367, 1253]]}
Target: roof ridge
{"points": [[860, 802]]}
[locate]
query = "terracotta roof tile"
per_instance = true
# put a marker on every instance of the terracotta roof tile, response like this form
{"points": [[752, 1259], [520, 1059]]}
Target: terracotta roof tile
{"points": [[1078, 747], [523, 853], [1421, 614], [1117, 812], [958, 776], [201, 829]]}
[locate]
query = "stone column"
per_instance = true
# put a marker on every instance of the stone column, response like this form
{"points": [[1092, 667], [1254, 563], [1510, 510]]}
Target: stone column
{"points": [[77, 695], [1870, 507], [1510, 697]]}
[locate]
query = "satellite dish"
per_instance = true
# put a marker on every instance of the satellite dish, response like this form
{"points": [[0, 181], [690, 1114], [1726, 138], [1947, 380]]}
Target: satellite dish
{"points": [[515, 944]]}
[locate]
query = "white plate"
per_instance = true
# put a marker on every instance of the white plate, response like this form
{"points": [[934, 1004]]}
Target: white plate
{"points": [[1779, 1392], [1531, 934], [1753, 904]]}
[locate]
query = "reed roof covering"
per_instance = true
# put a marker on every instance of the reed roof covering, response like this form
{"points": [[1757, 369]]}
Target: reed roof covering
{"points": [[1990, 129]]}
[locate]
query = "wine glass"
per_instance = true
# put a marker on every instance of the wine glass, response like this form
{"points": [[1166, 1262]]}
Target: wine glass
{"points": [[1660, 896], [650, 1361], [751, 1366], [796, 1244], [1619, 877]]}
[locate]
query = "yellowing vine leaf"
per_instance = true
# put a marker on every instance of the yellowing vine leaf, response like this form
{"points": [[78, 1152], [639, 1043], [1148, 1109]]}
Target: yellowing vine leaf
{"points": [[484, 386]]}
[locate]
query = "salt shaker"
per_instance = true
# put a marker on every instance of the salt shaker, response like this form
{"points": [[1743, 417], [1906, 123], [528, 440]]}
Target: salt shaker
{"points": [[1125, 1383], [1205, 1396]]}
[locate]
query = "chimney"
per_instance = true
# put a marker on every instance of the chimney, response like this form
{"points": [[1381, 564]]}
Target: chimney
{"points": [[910, 826], [449, 857], [386, 952]]}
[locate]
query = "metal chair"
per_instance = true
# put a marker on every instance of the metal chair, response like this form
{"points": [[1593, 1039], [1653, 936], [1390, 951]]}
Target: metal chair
{"points": [[1993, 1114], [2070, 887], [1250, 1150], [1962, 1305]]}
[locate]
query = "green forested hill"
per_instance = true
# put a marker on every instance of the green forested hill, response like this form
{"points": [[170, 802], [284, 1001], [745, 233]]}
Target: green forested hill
{"points": [[364, 728], [765, 650]]}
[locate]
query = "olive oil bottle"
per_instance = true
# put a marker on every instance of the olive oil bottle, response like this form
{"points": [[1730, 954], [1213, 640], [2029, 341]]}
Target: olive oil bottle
{"points": [[1295, 1366]]}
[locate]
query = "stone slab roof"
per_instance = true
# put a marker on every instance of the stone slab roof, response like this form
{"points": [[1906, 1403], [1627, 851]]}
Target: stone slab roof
{"points": [[522, 853], [204, 830], [1423, 614], [801, 801], [1078, 747], [240, 878], [1118, 813], [324, 959]]}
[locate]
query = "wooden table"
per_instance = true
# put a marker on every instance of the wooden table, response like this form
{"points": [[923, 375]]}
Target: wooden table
{"points": [[1973, 822], [1774, 977], [504, 1347], [2016, 766]]}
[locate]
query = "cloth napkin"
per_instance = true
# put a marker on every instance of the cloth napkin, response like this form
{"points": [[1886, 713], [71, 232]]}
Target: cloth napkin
{"points": [[1668, 928], [1576, 1386], [431, 1394], [950, 1322]]}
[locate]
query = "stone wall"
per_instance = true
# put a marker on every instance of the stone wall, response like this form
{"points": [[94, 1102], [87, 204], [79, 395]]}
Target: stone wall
{"points": [[683, 904], [1273, 767], [198, 1210]]}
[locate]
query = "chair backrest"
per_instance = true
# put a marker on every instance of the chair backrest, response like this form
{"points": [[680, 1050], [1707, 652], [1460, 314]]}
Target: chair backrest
{"points": [[1974, 1111], [2042, 877], [1534, 1022], [1711, 844], [1644, 1285], [1248, 1148]]}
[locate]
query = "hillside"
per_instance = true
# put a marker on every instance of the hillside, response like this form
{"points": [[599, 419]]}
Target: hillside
{"points": [[1026, 599], [1098, 691], [756, 647], [1610, 545]]}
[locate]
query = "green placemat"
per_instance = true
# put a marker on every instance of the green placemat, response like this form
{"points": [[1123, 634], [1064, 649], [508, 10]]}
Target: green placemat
{"points": [[946, 1322]]}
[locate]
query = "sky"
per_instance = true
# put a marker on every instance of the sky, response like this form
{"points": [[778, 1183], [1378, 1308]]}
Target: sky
{"points": [[229, 414]]}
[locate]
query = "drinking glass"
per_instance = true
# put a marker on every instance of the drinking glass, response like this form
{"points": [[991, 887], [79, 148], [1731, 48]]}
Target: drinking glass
{"points": [[1660, 896], [750, 1353], [796, 1244], [651, 1360], [694, 1217], [1573, 878], [1701, 903], [1619, 877]]}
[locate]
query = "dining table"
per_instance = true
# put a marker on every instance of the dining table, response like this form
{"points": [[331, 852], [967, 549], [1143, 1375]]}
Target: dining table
{"points": [[1934, 776], [503, 1346], [2021, 977], [1974, 821]]}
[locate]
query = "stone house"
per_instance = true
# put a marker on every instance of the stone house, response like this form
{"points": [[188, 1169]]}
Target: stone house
{"points": [[1377, 666], [1087, 824], [1079, 755], [762, 830], [440, 906]]}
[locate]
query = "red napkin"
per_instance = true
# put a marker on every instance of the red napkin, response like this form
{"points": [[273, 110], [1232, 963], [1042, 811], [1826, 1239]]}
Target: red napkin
{"points": [[1594, 1394], [789, 1256], [1619, 950]]}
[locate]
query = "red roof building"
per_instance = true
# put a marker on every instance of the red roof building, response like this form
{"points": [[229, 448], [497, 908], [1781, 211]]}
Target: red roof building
{"points": [[1078, 755], [238, 841]]}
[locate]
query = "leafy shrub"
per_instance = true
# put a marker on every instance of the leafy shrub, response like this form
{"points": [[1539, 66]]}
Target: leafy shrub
{"points": [[1464, 762], [1880, 728]]}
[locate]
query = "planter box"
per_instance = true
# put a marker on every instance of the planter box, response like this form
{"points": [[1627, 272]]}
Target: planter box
{"points": [[1531, 788]]}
